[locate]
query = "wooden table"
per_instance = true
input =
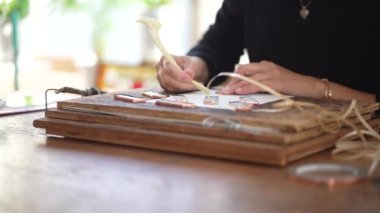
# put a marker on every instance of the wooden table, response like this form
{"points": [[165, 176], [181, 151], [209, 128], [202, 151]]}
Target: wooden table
{"points": [[42, 174]]}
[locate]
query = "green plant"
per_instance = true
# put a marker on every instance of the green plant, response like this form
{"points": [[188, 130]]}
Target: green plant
{"points": [[8, 6], [86, 5], [12, 11], [156, 3]]}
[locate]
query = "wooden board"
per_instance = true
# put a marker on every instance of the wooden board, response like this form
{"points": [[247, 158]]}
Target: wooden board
{"points": [[268, 138], [291, 121], [244, 150], [254, 133]]}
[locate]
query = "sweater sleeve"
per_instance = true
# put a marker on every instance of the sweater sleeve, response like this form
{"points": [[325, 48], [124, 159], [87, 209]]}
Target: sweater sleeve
{"points": [[222, 45]]}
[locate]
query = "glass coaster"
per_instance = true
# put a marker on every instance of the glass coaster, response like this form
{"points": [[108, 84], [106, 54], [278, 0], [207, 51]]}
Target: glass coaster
{"points": [[328, 173]]}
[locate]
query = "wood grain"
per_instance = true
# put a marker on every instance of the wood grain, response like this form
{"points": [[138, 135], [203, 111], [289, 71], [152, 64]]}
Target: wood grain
{"points": [[41, 174], [242, 150]]}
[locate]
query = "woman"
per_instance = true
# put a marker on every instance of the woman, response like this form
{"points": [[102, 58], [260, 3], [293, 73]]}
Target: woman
{"points": [[293, 46]]}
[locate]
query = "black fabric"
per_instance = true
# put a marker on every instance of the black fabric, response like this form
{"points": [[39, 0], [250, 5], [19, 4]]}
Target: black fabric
{"points": [[338, 40]]}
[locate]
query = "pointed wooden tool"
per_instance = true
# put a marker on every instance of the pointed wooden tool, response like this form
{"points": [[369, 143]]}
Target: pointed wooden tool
{"points": [[154, 26]]}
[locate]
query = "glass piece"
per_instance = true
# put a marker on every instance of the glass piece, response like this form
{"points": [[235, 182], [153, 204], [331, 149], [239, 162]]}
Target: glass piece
{"points": [[152, 94], [249, 100], [129, 98], [211, 100], [178, 104], [239, 106], [178, 98]]}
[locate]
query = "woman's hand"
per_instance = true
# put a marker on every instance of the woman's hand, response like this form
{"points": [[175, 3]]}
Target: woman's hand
{"points": [[173, 80], [278, 78]]}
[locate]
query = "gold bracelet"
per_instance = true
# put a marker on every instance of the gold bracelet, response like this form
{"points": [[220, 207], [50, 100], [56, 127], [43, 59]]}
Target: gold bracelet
{"points": [[328, 91]]}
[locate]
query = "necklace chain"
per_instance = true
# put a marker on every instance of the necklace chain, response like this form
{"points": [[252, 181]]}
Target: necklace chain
{"points": [[305, 5]]}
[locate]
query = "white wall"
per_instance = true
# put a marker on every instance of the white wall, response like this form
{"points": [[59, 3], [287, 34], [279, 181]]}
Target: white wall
{"points": [[206, 12]]}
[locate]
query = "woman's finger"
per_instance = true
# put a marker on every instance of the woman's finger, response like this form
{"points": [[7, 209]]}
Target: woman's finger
{"points": [[250, 88]]}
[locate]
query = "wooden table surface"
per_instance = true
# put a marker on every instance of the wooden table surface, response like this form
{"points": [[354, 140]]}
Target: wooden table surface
{"points": [[42, 174]]}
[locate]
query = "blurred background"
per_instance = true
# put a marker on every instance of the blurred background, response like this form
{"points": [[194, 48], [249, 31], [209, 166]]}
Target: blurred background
{"points": [[92, 43]]}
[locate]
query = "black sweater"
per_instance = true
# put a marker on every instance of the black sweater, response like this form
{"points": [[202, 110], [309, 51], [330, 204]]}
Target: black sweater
{"points": [[337, 41]]}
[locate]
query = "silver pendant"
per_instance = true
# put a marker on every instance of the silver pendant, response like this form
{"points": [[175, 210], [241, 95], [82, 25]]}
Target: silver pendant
{"points": [[304, 12]]}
